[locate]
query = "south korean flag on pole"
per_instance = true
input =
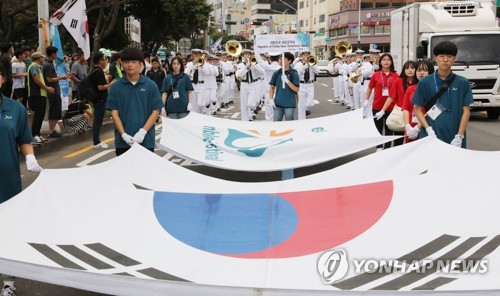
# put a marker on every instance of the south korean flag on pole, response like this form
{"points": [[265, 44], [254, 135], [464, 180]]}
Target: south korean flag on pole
{"points": [[73, 16]]}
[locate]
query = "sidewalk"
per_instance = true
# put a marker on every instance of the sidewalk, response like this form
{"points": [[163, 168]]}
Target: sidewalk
{"points": [[67, 137]]}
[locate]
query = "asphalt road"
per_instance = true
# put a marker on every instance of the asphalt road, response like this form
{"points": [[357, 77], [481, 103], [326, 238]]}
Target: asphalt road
{"points": [[75, 151]]}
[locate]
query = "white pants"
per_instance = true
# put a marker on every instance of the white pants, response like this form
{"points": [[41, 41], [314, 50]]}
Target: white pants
{"points": [[306, 99], [348, 90], [336, 89], [355, 95], [340, 83], [269, 108], [247, 92]]}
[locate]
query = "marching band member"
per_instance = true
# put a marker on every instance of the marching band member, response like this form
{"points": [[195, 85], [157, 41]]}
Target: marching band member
{"points": [[227, 67], [366, 74], [339, 68], [307, 74], [198, 72], [357, 85], [352, 67], [269, 69], [248, 74]]}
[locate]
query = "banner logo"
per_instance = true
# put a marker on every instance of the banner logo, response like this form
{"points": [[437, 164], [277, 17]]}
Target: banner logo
{"points": [[255, 144], [333, 266]]}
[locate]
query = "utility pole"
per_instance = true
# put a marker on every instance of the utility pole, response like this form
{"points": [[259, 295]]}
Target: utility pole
{"points": [[43, 13]]}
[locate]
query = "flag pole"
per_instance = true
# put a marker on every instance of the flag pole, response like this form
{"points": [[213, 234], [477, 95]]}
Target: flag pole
{"points": [[43, 15]]}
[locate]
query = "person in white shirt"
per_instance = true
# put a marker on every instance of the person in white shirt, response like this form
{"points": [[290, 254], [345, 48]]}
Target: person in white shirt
{"points": [[19, 75], [366, 74], [198, 75], [269, 68], [307, 74], [248, 73]]}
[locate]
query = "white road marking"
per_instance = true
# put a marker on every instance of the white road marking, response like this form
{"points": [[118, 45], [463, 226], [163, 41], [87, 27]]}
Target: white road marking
{"points": [[326, 85], [235, 115], [93, 158]]}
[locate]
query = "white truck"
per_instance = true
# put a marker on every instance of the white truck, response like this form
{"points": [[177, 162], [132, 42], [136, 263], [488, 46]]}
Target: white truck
{"points": [[471, 25]]}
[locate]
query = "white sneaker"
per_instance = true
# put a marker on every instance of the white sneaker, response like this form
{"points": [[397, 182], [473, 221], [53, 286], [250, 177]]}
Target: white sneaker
{"points": [[36, 140], [8, 291], [43, 139], [100, 146]]}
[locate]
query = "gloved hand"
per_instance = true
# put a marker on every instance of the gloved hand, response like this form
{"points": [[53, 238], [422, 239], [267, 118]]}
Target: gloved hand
{"points": [[365, 103], [163, 112], [430, 132], [139, 136], [285, 79], [32, 165], [457, 141], [413, 134], [190, 107], [128, 139], [408, 128], [379, 114]]}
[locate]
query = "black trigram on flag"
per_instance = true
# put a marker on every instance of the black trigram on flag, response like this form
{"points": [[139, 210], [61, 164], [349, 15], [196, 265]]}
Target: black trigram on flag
{"points": [[71, 254], [440, 244], [74, 23]]}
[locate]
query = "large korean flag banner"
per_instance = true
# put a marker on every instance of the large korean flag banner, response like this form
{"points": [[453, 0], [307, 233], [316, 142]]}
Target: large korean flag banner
{"points": [[410, 220], [268, 146]]}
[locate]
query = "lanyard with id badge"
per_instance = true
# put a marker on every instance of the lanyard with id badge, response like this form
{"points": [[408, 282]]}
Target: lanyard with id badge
{"points": [[175, 91], [434, 108], [385, 89]]}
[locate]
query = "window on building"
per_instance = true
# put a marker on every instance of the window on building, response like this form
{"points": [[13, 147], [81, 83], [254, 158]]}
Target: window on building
{"points": [[321, 1], [228, 17], [353, 32], [301, 23], [398, 4], [322, 18], [365, 30], [381, 4], [315, 20], [307, 3], [307, 23], [301, 4], [383, 29], [332, 33], [341, 32], [366, 5], [321, 30]]}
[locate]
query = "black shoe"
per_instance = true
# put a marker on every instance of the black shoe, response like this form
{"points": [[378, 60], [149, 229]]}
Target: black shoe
{"points": [[308, 113], [254, 117], [55, 134], [223, 105]]}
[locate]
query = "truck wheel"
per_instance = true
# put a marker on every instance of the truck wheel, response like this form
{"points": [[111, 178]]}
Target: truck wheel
{"points": [[493, 113]]}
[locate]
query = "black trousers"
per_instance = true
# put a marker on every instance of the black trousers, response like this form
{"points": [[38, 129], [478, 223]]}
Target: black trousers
{"points": [[382, 127], [37, 105], [99, 111]]}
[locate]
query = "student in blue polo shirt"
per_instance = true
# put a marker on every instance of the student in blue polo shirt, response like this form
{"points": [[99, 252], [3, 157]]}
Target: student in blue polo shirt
{"points": [[448, 118], [285, 101], [135, 103], [14, 132], [177, 91]]}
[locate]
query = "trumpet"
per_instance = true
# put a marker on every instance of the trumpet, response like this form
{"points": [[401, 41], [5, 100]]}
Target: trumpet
{"points": [[312, 60], [354, 76], [253, 60]]}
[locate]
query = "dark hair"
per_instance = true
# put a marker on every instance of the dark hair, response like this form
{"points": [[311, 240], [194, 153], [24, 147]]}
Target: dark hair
{"points": [[155, 60], [146, 54], [131, 54], [115, 56], [181, 62], [274, 58], [289, 56], [97, 58], [392, 61], [80, 52], [2, 71], [425, 65], [51, 50], [403, 76], [445, 47], [5, 46], [26, 48], [19, 52]]}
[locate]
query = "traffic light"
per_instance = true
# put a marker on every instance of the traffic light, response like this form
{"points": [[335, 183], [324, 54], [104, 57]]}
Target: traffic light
{"points": [[255, 23]]}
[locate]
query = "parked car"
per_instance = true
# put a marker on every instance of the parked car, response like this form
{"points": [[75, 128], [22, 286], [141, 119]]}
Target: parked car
{"points": [[323, 68]]}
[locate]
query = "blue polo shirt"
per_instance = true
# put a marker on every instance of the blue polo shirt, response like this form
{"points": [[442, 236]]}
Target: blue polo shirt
{"points": [[14, 131], [182, 84], [458, 95], [285, 98], [134, 104]]}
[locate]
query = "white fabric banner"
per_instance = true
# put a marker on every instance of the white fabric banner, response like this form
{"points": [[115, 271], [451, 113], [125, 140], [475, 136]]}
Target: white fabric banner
{"points": [[73, 15], [282, 42], [146, 226], [268, 146]]}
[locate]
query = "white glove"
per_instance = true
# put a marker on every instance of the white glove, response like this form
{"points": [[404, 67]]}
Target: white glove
{"points": [[408, 128], [457, 141], [190, 107], [413, 134], [32, 165], [163, 112], [273, 104], [128, 139], [430, 132], [139, 136], [379, 114], [285, 79], [365, 103]]}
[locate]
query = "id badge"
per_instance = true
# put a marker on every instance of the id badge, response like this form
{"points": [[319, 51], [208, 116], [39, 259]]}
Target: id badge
{"points": [[385, 92], [414, 118], [175, 94], [435, 111]]}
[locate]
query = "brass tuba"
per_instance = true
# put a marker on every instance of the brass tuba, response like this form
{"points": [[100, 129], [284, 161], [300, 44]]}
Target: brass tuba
{"points": [[233, 47], [312, 60], [354, 76], [343, 47], [200, 61]]}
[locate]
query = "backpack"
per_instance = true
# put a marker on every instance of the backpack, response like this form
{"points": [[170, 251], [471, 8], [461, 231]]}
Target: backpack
{"points": [[86, 90]]}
